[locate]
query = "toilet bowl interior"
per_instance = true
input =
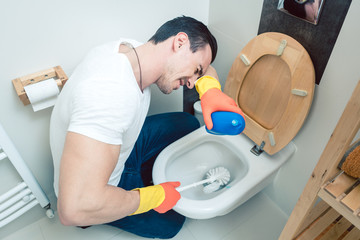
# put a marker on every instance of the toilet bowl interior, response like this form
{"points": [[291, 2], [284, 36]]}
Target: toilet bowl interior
{"points": [[192, 164]]}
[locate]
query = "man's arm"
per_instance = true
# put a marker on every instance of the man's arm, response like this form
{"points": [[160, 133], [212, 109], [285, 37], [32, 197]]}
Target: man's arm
{"points": [[212, 98], [210, 71], [85, 198]]}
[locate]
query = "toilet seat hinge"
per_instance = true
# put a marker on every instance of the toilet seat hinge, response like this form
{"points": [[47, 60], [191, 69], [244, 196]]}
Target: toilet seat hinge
{"points": [[257, 150]]}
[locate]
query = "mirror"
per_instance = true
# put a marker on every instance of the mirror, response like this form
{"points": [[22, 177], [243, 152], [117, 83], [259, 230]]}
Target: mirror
{"points": [[308, 10]]}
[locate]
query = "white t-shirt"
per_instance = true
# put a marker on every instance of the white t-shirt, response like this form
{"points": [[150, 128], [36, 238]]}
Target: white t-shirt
{"points": [[103, 101]]}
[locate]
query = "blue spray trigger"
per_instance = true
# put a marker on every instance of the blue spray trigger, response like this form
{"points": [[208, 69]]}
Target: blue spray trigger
{"points": [[226, 123]]}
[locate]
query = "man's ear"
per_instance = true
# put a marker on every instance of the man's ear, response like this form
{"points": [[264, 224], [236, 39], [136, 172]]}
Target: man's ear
{"points": [[181, 39]]}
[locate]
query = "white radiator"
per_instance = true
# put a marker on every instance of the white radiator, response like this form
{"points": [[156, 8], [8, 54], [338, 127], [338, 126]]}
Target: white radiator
{"points": [[26, 194]]}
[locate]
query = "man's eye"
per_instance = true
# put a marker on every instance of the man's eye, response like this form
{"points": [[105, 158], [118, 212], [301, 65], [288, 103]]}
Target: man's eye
{"points": [[198, 71]]}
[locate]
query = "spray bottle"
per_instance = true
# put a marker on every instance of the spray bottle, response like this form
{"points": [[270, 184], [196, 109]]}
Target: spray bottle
{"points": [[212, 98], [226, 123]]}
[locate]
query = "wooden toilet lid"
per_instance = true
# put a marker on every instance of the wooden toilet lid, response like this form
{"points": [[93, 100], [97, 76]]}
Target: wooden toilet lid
{"points": [[273, 81]]}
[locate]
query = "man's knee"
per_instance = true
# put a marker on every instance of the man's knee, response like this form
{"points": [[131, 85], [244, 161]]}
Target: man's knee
{"points": [[191, 121], [185, 122]]}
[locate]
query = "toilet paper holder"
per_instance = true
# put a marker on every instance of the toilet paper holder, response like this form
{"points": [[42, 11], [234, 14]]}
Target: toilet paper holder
{"points": [[19, 83]]}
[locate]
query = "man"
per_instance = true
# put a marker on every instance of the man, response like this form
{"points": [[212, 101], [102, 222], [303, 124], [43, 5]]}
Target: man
{"points": [[102, 143]]}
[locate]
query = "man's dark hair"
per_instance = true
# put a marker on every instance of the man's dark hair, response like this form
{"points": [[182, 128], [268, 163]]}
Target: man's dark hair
{"points": [[199, 35]]}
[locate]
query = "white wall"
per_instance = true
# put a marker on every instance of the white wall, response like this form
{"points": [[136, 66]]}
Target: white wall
{"points": [[39, 34], [234, 23]]}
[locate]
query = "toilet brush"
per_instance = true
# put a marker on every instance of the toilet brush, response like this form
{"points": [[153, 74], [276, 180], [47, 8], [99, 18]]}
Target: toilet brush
{"points": [[350, 163], [214, 179]]}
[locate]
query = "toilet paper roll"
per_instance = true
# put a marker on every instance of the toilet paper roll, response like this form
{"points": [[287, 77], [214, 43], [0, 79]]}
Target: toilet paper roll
{"points": [[42, 94]]}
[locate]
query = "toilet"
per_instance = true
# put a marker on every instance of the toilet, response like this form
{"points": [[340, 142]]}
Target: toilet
{"points": [[272, 80]]}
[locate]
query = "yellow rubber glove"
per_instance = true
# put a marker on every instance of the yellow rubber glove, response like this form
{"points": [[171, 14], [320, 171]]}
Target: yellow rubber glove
{"points": [[161, 198], [213, 99], [205, 83]]}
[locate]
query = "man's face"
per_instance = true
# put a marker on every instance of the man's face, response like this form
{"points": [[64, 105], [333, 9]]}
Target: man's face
{"points": [[184, 68]]}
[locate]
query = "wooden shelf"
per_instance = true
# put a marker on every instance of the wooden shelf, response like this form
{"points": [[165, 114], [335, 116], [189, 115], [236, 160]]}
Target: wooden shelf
{"points": [[337, 216], [343, 194], [330, 225]]}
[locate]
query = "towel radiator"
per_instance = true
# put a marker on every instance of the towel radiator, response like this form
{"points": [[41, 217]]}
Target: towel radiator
{"points": [[27, 193]]}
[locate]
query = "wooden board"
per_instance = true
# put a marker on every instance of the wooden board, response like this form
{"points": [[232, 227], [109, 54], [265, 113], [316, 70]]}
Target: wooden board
{"points": [[330, 225], [337, 230], [354, 234], [339, 185], [320, 225], [352, 199], [264, 86]]}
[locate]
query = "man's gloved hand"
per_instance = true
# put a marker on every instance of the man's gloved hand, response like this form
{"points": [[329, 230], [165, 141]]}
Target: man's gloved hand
{"points": [[161, 197], [213, 99]]}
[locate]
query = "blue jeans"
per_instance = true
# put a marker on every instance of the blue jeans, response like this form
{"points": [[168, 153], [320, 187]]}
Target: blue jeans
{"points": [[157, 133]]}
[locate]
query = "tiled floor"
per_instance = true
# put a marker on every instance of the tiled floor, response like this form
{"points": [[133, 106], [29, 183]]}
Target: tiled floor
{"points": [[257, 219]]}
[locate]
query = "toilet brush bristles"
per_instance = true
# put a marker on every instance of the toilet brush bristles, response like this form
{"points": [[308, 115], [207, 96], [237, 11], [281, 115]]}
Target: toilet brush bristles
{"points": [[219, 176]]}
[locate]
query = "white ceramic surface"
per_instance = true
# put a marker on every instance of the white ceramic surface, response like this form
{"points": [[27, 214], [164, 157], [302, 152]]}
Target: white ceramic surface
{"points": [[188, 159]]}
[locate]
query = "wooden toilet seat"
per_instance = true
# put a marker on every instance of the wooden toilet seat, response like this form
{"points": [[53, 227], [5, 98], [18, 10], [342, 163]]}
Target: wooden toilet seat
{"points": [[273, 81]]}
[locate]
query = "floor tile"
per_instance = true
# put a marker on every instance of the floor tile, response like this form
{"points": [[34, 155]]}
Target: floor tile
{"points": [[217, 228], [264, 224], [257, 219], [52, 229], [127, 236], [184, 234], [31, 232]]}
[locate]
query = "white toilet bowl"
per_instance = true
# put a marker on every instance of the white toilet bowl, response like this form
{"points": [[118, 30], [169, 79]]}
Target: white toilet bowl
{"points": [[273, 81], [188, 159]]}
